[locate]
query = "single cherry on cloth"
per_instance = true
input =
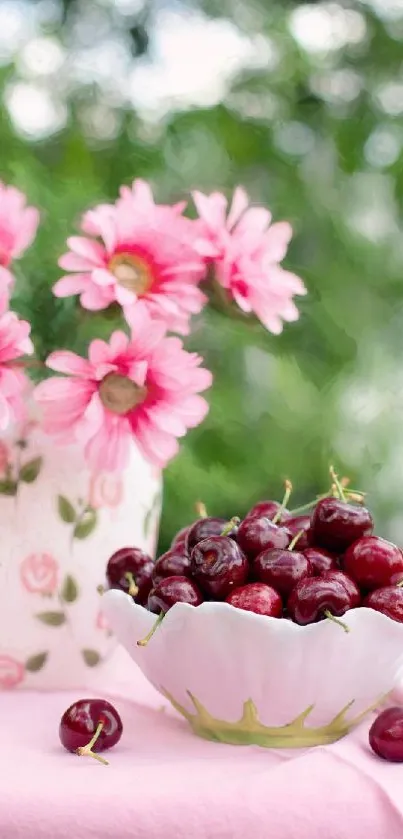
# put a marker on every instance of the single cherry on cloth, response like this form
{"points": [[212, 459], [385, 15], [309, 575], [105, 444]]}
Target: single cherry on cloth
{"points": [[374, 562], [315, 598], [218, 564], [165, 595], [258, 534], [258, 598], [388, 600], [335, 524], [321, 560], [131, 570], [386, 735], [173, 563], [281, 569], [90, 726]]}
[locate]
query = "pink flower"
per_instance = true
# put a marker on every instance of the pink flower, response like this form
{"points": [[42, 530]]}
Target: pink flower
{"points": [[146, 252], [106, 490], [246, 252], [12, 672], [39, 573], [143, 388], [14, 342], [18, 225]]}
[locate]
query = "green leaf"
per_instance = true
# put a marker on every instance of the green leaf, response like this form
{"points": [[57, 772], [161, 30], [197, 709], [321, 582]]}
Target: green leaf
{"points": [[52, 618], [30, 471], [69, 592], [86, 525], [8, 487], [91, 657], [36, 662], [66, 510]]}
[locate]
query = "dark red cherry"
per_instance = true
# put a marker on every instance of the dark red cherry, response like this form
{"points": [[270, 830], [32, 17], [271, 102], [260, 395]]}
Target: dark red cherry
{"points": [[128, 569], [346, 581], [268, 509], [388, 600], [258, 534], [315, 598], [335, 524], [173, 563], [257, 597], [218, 565], [173, 590], [180, 538], [386, 735], [296, 525], [281, 569], [373, 562], [205, 527], [320, 560], [90, 726]]}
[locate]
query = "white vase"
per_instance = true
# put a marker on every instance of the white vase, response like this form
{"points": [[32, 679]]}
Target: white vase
{"points": [[58, 526]]}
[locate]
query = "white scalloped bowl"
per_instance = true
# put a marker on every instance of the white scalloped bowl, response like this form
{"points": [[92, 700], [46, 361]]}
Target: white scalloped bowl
{"points": [[243, 678]]}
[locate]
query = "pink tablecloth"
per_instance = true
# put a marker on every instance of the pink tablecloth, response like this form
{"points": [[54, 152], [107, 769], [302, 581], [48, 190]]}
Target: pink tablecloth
{"points": [[165, 783]]}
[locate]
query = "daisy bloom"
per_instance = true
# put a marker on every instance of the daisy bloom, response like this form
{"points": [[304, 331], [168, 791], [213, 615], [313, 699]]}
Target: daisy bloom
{"points": [[14, 343], [142, 388], [246, 251], [136, 250], [18, 226]]}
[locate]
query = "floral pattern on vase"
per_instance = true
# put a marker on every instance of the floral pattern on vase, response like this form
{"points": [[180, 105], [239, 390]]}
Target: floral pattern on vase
{"points": [[59, 525]]}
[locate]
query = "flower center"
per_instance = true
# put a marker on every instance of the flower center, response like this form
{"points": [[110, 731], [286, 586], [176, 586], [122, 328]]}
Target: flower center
{"points": [[119, 394], [131, 272]]}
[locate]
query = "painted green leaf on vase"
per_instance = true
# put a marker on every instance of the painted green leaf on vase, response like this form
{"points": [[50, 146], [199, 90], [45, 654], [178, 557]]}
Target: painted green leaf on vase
{"points": [[70, 590], [52, 618], [91, 657], [36, 662], [30, 471], [66, 510], [86, 524]]}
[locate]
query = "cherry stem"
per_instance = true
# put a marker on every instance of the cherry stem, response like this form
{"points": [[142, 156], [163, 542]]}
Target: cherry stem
{"points": [[101, 590], [287, 493], [86, 751], [230, 525], [295, 540], [336, 620], [337, 484], [399, 585], [201, 509], [133, 589], [144, 641]]}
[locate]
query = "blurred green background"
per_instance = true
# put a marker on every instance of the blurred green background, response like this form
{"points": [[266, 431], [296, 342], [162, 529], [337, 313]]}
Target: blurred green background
{"points": [[303, 105]]}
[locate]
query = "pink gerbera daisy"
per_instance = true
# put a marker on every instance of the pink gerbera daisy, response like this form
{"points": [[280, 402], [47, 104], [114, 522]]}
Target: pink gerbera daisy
{"points": [[143, 388], [140, 251], [246, 251], [14, 343], [18, 226]]}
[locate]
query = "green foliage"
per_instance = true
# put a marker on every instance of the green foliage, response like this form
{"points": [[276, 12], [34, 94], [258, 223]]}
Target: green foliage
{"points": [[304, 135]]}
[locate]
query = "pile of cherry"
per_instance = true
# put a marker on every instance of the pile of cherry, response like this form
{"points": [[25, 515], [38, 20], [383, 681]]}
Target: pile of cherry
{"points": [[278, 563], [304, 568]]}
